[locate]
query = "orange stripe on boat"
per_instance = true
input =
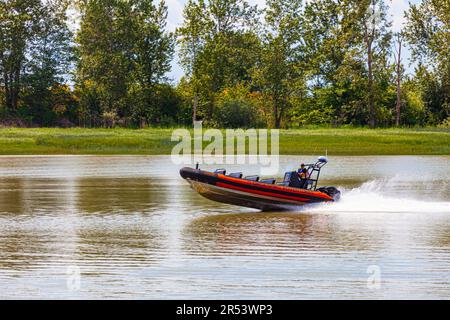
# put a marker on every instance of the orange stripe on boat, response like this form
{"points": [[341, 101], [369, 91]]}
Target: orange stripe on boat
{"points": [[263, 193], [268, 186]]}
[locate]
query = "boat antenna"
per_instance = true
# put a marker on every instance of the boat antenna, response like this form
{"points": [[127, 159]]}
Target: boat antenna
{"points": [[196, 166]]}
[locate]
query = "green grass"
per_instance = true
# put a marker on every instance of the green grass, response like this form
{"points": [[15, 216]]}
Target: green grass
{"points": [[354, 141], [366, 142]]}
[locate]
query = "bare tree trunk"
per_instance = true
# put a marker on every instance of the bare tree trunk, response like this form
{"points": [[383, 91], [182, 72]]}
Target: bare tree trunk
{"points": [[276, 112], [7, 92], [15, 88], [4, 77], [277, 122], [399, 79], [372, 114], [194, 113], [369, 36]]}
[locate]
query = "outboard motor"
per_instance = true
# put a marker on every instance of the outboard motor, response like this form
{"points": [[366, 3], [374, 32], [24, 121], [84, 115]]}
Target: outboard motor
{"points": [[331, 191]]}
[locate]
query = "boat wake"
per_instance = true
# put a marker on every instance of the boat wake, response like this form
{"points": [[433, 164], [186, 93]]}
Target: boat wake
{"points": [[384, 196]]}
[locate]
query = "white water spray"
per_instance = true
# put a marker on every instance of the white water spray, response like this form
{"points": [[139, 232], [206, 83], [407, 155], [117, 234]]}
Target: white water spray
{"points": [[383, 196]]}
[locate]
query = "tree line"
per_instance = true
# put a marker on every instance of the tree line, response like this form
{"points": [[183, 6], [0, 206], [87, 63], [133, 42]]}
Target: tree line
{"points": [[289, 64]]}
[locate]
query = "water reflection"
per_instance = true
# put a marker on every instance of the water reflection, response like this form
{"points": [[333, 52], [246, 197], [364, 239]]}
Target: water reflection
{"points": [[439, 239], [42, 223], [11, 195], [279, 234], [128, 195], [128, 245], [30, 195], [90, 195], [22, 249]]}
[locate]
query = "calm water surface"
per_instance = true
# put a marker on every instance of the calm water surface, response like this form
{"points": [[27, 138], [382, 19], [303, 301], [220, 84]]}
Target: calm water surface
{"points": [[134, 229]]}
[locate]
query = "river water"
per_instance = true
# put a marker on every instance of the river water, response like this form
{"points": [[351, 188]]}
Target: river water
{"points": [[129, 227]]}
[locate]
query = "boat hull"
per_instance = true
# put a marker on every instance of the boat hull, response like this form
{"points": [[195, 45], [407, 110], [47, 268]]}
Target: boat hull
{"points": [[251, 194], [242, 199]]}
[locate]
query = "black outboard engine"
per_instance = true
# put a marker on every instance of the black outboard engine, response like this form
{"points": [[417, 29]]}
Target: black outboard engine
{"points": [[331, 191]]}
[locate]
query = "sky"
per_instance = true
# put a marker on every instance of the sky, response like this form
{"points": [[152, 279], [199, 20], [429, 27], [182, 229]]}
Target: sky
{"points": [[175, 18]]}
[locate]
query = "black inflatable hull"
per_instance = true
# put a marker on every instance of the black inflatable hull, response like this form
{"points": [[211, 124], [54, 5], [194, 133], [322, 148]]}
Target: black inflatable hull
{"points": [[251, 194]]}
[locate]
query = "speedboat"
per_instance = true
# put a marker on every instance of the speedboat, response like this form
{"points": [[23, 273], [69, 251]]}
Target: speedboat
{"points": [[262, 194]]}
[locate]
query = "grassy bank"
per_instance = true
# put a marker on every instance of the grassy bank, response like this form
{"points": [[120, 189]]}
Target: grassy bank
{"points": [[42, 141]]}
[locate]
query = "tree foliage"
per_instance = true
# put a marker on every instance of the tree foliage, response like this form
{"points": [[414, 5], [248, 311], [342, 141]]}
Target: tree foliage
{"points": [[428, 32], [124, 52], [291, 63], [35, 54]]}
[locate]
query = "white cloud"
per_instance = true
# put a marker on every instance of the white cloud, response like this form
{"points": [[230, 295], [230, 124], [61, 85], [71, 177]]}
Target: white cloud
{"points": [[396, 10], [260, 3], [174, 13]]}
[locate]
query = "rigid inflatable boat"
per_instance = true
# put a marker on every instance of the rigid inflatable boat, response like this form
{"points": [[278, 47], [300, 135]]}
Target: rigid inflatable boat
{"points": [[262, 194]]}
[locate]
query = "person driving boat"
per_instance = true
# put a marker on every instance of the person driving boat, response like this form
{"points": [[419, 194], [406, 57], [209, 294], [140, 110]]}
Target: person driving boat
{"points": [[302, 171], [303, 175]]}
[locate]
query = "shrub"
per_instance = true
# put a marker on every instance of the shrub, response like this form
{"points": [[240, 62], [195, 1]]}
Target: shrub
{"points": [[235, 108], [109, 118], [445, 124]]}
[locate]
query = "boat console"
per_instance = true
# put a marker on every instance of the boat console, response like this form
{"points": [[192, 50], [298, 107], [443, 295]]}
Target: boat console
{"points": [[291, 178], [312, 175]]}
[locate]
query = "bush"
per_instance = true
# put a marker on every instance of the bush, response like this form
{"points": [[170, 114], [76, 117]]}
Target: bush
{"points": [[445, 124], [236, 108], [109, 118], [312, 117]]}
